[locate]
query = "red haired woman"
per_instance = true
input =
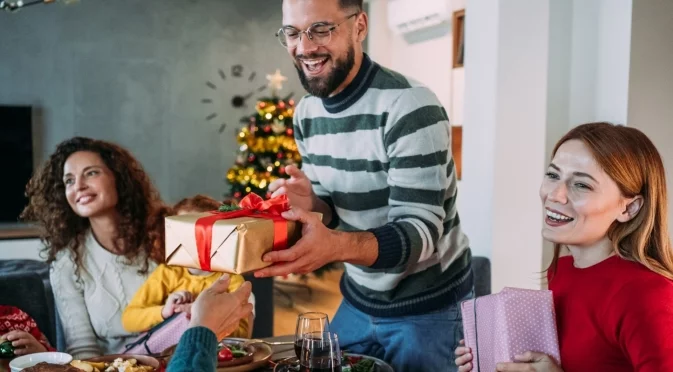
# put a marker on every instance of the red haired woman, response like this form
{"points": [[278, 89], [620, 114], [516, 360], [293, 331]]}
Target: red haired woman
{"points": [[605, 204]]}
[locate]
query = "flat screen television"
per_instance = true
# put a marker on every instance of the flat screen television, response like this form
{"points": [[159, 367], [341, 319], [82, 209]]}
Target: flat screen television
{"points": [[16, 159]]}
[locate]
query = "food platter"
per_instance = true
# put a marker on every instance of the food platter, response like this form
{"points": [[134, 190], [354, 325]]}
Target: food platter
{"points": [[350, 362]]}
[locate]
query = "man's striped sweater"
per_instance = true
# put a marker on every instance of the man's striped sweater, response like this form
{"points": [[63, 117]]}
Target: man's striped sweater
{"points": [[379, 154]]}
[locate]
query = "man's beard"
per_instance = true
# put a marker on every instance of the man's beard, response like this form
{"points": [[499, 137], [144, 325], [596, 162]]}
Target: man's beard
{"points": [[322, 87]]}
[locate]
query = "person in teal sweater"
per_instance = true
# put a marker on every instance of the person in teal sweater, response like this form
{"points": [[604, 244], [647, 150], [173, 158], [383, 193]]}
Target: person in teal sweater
{"points": [[215, 314]]}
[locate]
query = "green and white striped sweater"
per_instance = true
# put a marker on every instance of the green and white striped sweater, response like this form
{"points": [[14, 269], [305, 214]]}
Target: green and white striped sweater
{"points": [[379, 154]]}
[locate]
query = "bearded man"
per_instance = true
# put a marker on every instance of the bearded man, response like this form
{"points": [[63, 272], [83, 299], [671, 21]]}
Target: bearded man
{"points": [[376, 162]]}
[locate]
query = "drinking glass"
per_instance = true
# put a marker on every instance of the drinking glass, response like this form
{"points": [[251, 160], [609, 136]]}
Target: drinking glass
{"points": [[310, 322], [320, 352]]}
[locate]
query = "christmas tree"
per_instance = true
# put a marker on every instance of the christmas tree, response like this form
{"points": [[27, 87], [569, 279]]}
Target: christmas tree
{"points": [[267, 144]]}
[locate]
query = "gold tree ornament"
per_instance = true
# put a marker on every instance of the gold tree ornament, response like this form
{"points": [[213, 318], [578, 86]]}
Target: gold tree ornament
{"points": [[276, 82], [278, 126]]}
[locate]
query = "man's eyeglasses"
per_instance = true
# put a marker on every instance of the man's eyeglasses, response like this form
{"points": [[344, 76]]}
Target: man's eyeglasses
{"points": [[319, 33]]}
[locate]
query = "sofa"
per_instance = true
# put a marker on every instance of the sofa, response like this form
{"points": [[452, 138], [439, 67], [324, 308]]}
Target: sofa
{"points": [[25, 284]]}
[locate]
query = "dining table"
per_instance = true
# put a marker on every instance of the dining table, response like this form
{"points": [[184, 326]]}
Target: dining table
{"points": [[282, 346]]}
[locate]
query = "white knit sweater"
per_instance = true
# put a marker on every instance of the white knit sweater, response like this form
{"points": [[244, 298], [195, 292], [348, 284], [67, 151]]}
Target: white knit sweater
{"points": [[91, 308]]}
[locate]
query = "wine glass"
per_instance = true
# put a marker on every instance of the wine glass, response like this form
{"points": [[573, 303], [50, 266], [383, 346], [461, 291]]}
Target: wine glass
{"points": [[320, 352], [310, 322]]}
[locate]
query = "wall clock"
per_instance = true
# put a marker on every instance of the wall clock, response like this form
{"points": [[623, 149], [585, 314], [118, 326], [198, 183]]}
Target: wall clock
{"points": [[221, 91]]}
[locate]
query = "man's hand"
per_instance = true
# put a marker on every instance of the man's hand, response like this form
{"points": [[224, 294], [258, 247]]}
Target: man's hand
{"points": [[299, 191], [24, 343], [319, 246], [297, 188], [220, 311], [172, 302], [530, 362]]}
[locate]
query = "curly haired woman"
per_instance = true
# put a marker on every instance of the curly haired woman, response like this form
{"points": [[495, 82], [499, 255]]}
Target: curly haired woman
{"points": [[102, 225]]}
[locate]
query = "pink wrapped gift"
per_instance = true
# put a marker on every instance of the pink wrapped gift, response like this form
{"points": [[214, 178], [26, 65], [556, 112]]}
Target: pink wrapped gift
{"points": [[160, 337], [499, 326]]}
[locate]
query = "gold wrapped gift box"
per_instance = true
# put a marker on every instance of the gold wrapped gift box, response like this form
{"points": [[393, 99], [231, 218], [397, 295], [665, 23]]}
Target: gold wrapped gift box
{"points": [[238, 244]]}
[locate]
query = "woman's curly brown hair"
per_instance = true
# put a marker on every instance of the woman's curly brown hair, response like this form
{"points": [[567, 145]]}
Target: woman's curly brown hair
{"points": [[141, 211]]}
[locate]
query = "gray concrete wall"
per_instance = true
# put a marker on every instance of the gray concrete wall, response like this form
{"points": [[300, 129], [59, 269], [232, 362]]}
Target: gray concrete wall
{"points": [[135, 72]]}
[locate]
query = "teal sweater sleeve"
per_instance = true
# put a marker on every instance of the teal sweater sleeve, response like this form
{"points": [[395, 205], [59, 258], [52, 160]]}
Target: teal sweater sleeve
{"points": [[196, 351]]}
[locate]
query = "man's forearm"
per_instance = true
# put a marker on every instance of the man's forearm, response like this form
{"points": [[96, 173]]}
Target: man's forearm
{"points": [[358, 248]]}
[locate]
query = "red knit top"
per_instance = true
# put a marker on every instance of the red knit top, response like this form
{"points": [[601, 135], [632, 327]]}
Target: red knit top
{"points": [[614, 316]]}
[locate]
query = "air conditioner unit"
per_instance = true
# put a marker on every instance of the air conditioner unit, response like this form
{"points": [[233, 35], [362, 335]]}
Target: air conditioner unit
{"points": [[406, 16]]}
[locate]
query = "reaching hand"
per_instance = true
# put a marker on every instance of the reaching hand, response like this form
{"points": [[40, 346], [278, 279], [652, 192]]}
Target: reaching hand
{"points": [[24, 343], [297, 188], [172, 302], [219, 310], [530, 362], [184, 308]]}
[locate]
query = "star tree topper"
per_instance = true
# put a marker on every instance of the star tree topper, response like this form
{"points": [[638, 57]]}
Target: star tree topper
{"points": [[276, 82]]}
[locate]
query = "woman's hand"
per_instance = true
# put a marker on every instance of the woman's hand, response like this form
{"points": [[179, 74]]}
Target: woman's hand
{"points": [[463, 357], [220, 311], [530, 362], [24, 343]]}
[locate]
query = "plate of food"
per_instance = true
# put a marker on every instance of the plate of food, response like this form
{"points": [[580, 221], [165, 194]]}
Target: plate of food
{"points": [[109, 363], [237, 355], [232, 353], [349, 363], [39, 362], [256, 355], [363, 363], [118, 363]]}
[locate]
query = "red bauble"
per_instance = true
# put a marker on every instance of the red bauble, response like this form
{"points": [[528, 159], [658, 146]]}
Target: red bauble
{"points": [[289, 131], [291, 102], [279, 155], [237, 194], [281, 170], [251, 158], [267, 129], [281, 104]]}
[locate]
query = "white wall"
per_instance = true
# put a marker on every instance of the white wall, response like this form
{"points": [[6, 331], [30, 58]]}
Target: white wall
{"points": [[650, 106], [20, 249], [457, 108], [614, 50], [425, 56], [599, 54], [379, 35], [504, 136], [475, 199]]}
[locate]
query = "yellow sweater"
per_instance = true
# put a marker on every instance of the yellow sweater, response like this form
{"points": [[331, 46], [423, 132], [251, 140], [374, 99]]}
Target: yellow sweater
{"points": [[144, 310]]}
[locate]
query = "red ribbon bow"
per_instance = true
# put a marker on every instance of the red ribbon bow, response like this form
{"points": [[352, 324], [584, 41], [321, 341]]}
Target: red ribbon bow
{"points": [[251, 206]]}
